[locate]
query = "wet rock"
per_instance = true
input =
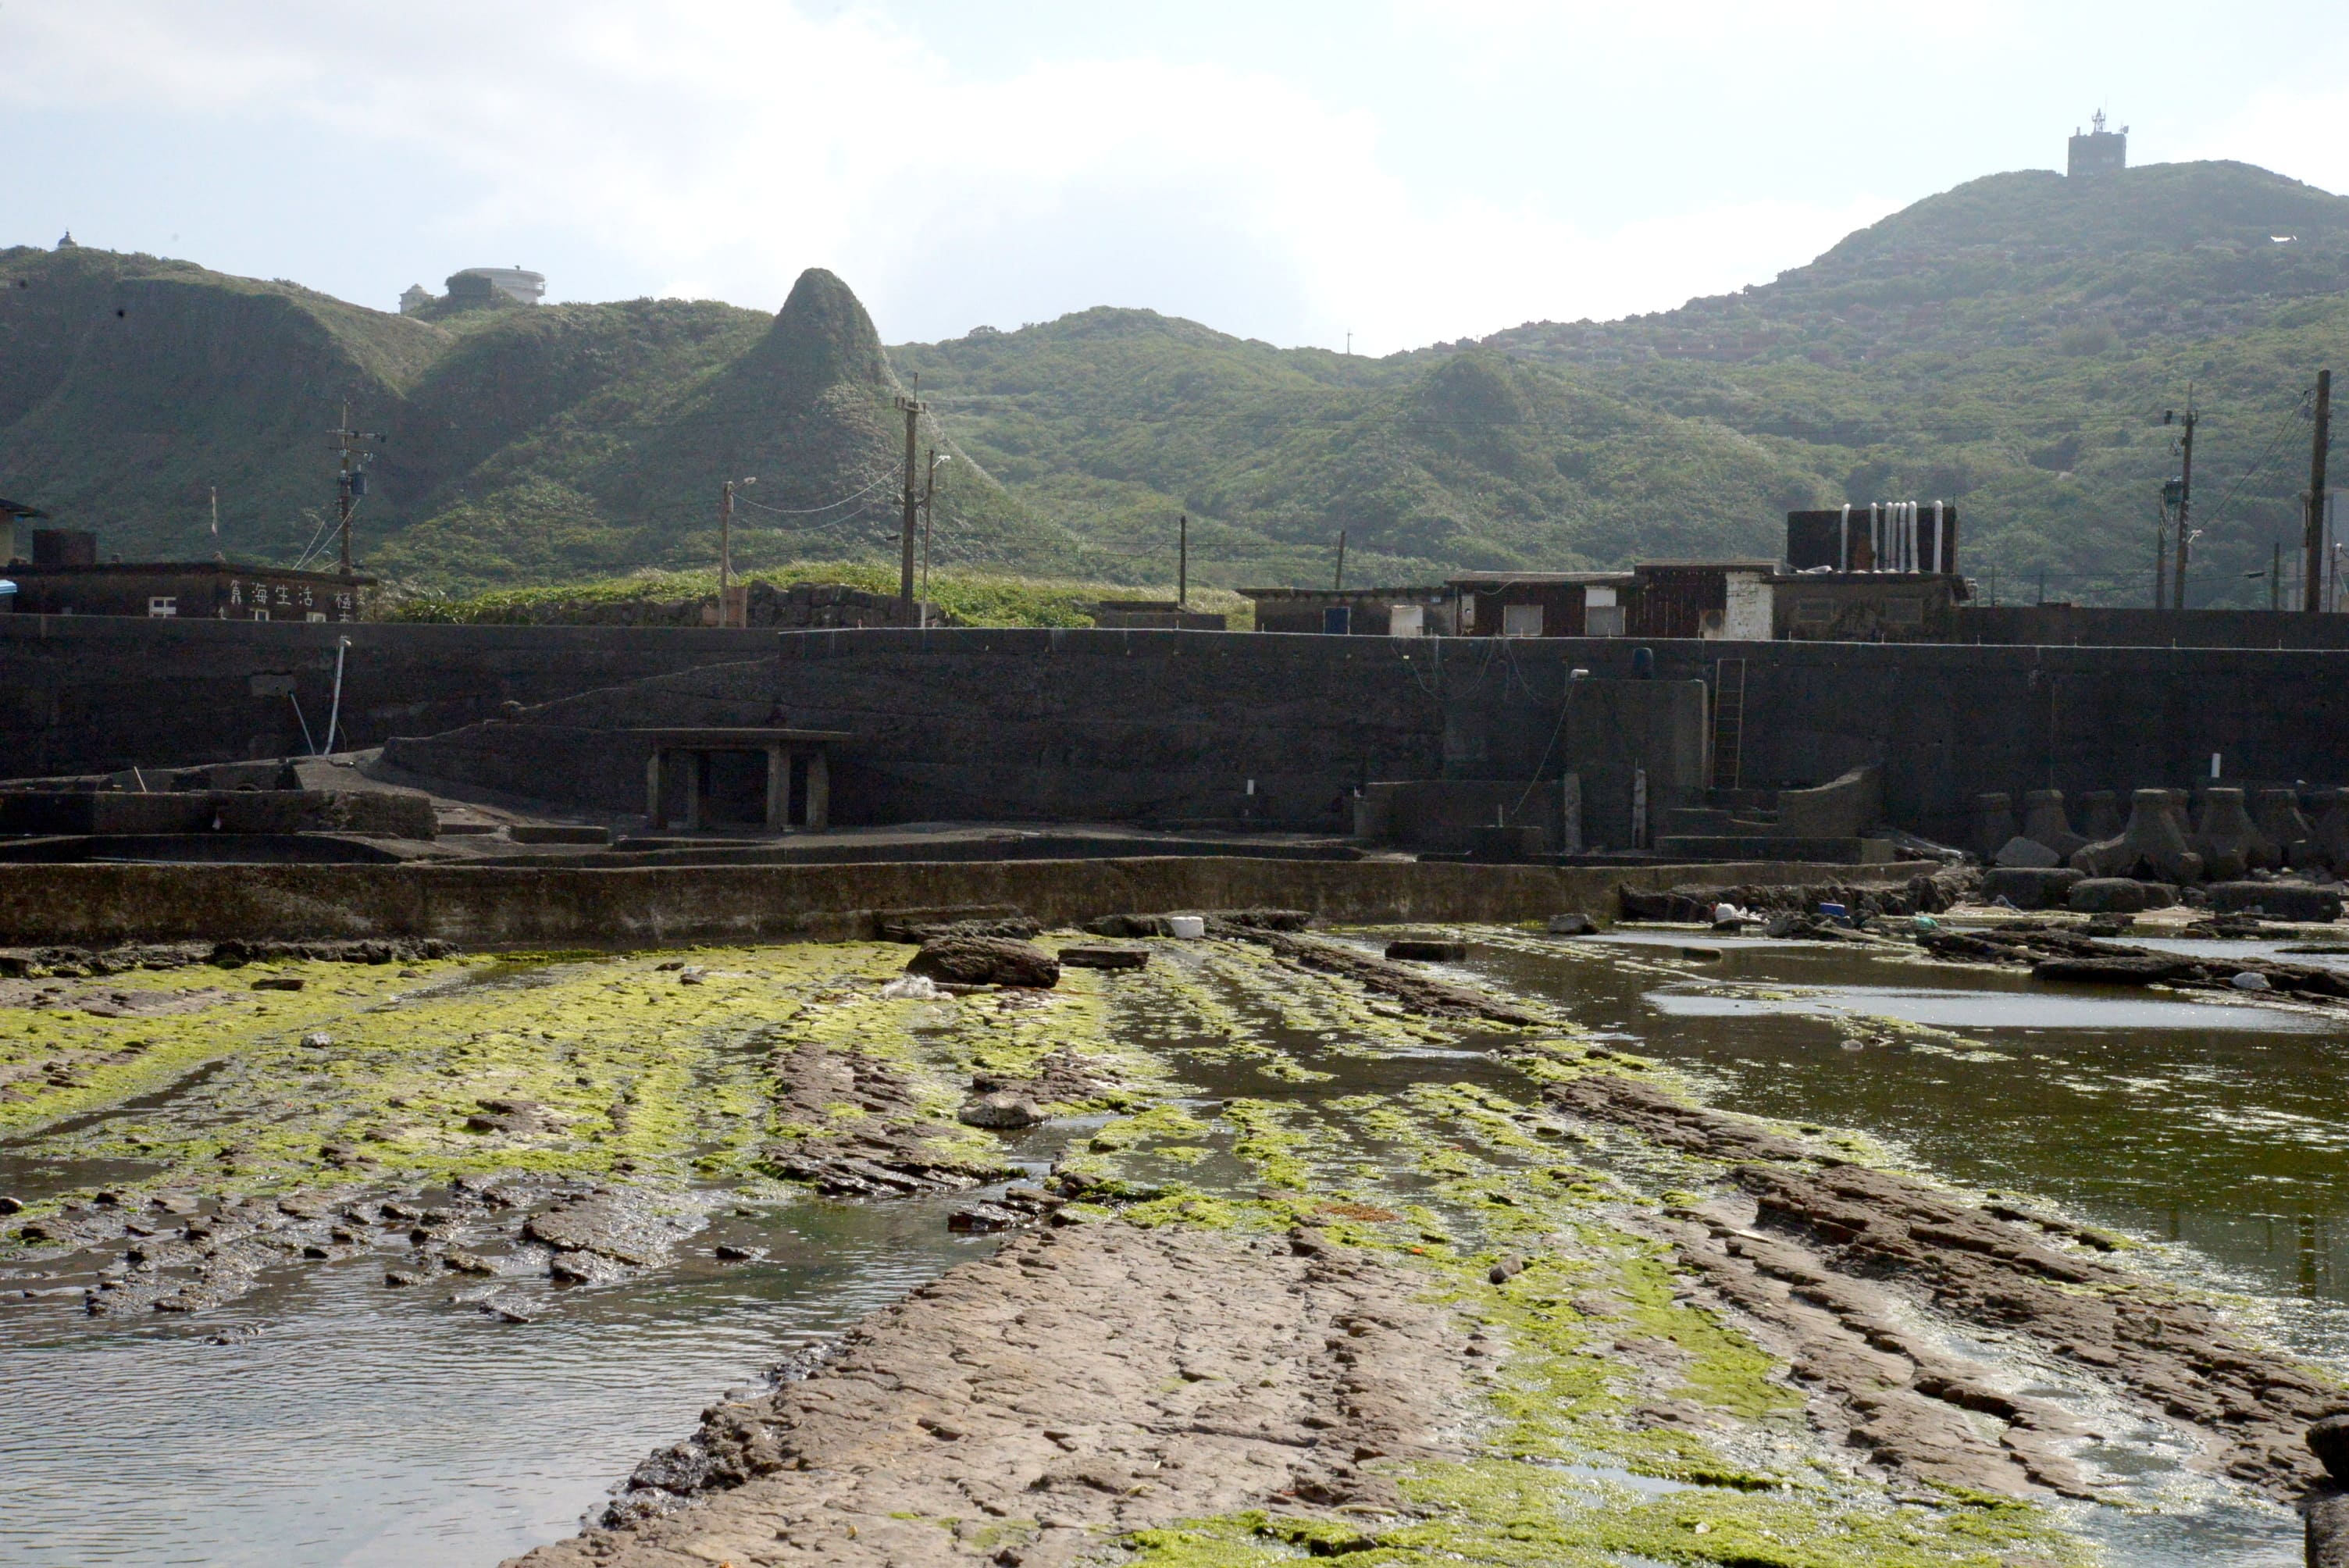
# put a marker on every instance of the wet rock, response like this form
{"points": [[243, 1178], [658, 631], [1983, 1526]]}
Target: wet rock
{"points": [[729, 1252], [280, 983], [1428, 951], [2297, 902], [1095, 1380], [2324, 1517], [2020, 854], [2328, 1440], [2030, 887], [507, 1116], [998, 1110], [1508, 1269], [10, 1205], [317, 1041], [887, 1153], [1418, 992], [984, 1217], [626, 1227], [1105, 957], [986, 961], [2120, 969], [1571, 925], [458, 1261], [585, 1268], [2109, 896], [508, 1308]]}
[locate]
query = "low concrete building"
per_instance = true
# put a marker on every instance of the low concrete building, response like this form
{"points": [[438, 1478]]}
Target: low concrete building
{"points": [[1356, 612], [1154, 615], [212, 590], [1544, 603]]}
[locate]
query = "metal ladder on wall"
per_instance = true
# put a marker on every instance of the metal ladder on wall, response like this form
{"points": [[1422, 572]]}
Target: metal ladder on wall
{"points": [[1728, 722]]}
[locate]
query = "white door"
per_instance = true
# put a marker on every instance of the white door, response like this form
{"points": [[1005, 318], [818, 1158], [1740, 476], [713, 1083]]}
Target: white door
{"points": [[1406, 621], [1521, 620]]}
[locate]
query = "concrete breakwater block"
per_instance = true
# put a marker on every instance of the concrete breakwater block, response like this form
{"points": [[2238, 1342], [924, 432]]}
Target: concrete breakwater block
{"points": [[1429, 952], [2030, 887], [2113, 895], [1105, 957], [2276, 900], [2019, 853], [2153, 844]]}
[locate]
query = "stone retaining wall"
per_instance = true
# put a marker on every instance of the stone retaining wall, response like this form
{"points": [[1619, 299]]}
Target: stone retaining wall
{"points": [[522, 907]]}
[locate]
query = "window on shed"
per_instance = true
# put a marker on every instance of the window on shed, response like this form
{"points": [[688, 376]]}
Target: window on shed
{"points": [[1521, 620], [159, 605]]}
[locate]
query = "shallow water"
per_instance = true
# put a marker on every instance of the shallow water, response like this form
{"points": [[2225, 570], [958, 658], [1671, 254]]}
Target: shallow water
{"points": [[343, 1423]]}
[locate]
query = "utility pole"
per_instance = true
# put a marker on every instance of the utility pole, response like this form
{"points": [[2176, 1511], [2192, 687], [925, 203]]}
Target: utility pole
{"points": [[2161, 557], [1340, 586], [912, 408], [350, 479], [1182, 561], [216, 549], [2275, 578], [2185, 501], [725, 553], [2314, 537], [929, 511]]}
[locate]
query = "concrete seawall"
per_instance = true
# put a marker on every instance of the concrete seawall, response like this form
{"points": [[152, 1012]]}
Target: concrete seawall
{"points": [[518, 907]]}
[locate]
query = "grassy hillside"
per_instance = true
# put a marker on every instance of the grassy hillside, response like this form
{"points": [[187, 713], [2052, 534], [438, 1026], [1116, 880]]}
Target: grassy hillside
{"points": [[2011, 344], [975, 599], [2008, 345]]}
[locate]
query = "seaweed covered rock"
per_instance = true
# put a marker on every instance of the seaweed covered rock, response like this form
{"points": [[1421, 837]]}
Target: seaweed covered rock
{"points": [[986, 961]]}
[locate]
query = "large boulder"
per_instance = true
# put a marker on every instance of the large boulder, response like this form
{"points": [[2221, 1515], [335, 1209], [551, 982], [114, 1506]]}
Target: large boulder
{"points": [[2110, 895], [2153, 846], [986, 961], [2276, 900], [2029, 887], [2043, 820]]}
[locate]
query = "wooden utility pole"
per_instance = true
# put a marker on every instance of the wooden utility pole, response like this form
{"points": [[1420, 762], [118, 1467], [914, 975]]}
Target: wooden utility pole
{"points": [[350, 478], [2161, 558], [2275, 578], [1182, 561], [1340, 586], [2184, 503], [2311, 594], [912, 408]]}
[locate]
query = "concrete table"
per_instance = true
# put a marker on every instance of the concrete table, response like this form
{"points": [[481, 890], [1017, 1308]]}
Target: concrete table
{"points": [[690, 749]]}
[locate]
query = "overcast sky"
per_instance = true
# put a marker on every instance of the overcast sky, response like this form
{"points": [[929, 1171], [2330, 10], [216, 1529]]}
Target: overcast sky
{"points": [[1404, 169]]}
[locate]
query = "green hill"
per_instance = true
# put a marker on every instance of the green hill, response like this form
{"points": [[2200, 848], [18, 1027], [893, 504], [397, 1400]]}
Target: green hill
{"points": [[2008, 345]]}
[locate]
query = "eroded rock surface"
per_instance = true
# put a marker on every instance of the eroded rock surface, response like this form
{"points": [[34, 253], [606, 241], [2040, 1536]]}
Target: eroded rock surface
{"points": [[1027, 1409], [864, 1128], [1830, 1246]]}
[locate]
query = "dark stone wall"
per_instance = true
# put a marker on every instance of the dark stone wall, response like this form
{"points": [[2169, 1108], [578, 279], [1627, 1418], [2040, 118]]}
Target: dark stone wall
{"points": [[1157, 726], [87, 694], [1169, 727], [2063, 624]]}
